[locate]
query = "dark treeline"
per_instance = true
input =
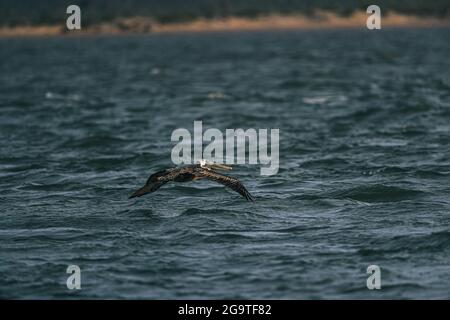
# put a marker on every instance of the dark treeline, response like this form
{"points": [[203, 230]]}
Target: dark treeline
{"points": [[20, 12]]}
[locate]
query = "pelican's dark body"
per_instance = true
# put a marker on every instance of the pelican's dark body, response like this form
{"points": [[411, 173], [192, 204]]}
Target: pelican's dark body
{"points": [[190, 173], [185, 177]]}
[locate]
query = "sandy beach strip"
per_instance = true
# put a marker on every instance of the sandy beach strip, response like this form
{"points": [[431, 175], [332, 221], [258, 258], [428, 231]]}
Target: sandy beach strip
{"points": [[321, 20]]}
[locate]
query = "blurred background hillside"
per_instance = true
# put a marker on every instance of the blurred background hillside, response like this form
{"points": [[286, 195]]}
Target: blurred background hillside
{"points": [[45, 12]]}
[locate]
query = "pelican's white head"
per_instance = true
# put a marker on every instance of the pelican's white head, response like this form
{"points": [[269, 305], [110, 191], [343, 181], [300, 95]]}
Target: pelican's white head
{"points": [[203, 163]]}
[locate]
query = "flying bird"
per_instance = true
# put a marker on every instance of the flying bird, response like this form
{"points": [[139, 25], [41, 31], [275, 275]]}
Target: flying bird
{"points": [[202, 170]]}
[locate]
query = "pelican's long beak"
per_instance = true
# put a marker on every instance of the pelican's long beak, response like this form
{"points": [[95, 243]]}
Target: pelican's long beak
{"points": [[140, 192], [219, 166]]}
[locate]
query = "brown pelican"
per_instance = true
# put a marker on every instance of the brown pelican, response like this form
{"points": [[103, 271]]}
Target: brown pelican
{"points": [[202, 170]]}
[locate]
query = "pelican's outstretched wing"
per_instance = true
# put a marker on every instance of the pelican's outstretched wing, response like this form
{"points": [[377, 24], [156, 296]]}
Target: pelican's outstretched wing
{"points": [[227, 181], [158, 179]]}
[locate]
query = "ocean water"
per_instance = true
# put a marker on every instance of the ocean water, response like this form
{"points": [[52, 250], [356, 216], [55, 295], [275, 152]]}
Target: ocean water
{"points": [[364, 179]]}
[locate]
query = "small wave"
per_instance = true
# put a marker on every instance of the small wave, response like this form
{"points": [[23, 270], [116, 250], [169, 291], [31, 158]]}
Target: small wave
{"points": [[57, 96], [431, 242], [198, 211], [93, 141], [378, 193], [293, 84], [59, 233], [325, 162], [138, 212]]}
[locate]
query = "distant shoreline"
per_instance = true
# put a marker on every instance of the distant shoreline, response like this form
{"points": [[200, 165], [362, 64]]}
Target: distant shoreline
{"points": [[144, 25]]}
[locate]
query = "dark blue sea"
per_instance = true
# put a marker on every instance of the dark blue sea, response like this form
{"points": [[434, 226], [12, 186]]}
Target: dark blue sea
{"points": [[364, 179]]}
